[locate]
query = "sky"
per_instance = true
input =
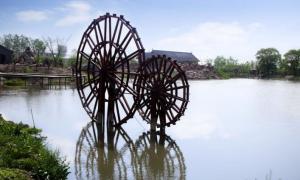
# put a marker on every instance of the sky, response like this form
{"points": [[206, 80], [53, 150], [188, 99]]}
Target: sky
{"points": [[207, 28]]}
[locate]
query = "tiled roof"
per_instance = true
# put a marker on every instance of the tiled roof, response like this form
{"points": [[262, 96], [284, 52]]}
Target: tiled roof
{"points": [[178, 56]]}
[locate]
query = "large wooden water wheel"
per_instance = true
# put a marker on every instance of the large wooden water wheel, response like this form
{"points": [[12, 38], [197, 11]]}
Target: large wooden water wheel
{"points": [[163, 91], [108, 53]]}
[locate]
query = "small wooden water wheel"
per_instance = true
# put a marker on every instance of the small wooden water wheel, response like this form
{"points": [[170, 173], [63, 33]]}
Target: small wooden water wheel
{"points": [[107, 54], [163, 91]]}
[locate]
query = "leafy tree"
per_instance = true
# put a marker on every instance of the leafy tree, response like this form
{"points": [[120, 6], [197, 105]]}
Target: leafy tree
{"points": [[292, 59], [229, 67], [267, 61], [283, 67], [38, 47], [225, 67]]}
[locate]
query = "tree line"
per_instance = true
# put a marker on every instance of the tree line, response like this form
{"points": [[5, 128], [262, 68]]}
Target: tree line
{"points": [[46, 51], [269, 64], [52, 52]]}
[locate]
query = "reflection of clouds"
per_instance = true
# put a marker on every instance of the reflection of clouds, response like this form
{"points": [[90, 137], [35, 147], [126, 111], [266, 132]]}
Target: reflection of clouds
{"points": [[78, 125], [198, 125], [65, 146]]}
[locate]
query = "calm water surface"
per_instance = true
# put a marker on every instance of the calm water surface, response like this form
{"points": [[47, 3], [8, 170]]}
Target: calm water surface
{"points": [[233, 129]]}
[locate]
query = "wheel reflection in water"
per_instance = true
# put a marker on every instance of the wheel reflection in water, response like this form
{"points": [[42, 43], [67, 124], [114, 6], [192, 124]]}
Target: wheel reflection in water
{"points": [[152, 156], [159, 157], [96, 159]]}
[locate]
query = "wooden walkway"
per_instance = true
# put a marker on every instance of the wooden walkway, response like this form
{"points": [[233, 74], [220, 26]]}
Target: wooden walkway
{"points": [[48, 79]]}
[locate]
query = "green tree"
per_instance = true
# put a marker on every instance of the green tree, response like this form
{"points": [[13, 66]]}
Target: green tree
{"points": [[38, 47], [292, 58], [283, 67], [267, 61], [225, 67]]}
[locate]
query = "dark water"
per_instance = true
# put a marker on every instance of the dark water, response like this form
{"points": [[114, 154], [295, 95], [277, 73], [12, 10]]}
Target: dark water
{"points": [[233, 129]]}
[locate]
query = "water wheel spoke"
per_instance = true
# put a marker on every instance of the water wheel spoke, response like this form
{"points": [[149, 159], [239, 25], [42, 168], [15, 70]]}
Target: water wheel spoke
{"points": [[125, 86], [115, 117], [168, 67], [119, 34], [96, 64], [120, 61], [118, 111], [100, 32], [105, 29], [127, 39], [145, 103], [156, 69], [170, 115], [175, 108], [95, 108], [89, 98], [177, 87], [109, 30], [83, 54], [148, 112], [175, 97], [115, 30], [174, 78], [84, 85], [95, 32], [90, 42], [123, 104], [159, 69]]}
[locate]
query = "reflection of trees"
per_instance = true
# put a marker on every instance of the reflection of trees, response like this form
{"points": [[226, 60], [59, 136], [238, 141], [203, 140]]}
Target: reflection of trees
{"points": [[153, 156], [95, 159], [159, 157]]}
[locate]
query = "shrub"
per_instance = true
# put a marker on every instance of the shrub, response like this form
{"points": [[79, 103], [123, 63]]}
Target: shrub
{"points": [[11, 174], [14, 82], [23, 147]]}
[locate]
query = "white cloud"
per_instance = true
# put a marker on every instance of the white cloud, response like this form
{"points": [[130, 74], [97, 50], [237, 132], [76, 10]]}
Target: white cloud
{"points": [[210, 39], [76, 12], [31, 16]]}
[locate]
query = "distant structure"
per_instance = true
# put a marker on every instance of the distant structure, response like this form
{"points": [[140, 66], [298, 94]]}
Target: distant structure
{"points": [[5, 55], [180, 57]]}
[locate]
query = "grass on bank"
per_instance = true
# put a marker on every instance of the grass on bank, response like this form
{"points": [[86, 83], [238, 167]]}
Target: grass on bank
{"points": [[24, 155], [14, 82]]}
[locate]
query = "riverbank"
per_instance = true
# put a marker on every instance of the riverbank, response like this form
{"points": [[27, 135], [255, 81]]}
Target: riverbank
{"points": [[31, 75], [24, 154], [192, 71], [20, 68]]}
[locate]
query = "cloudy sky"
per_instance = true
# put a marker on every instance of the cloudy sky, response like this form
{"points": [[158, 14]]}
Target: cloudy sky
{"points": [[207, 28]]}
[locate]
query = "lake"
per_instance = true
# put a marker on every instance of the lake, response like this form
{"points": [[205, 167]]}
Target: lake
{"points": [[238, 129]]}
